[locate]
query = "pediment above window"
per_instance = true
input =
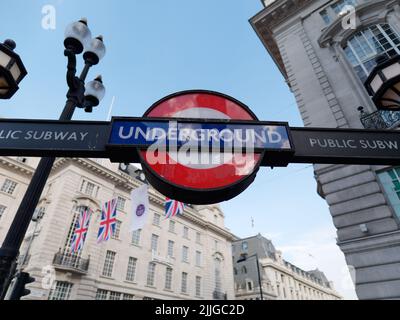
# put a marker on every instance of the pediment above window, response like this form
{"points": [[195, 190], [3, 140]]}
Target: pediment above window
{"points": [[366, 14], [86, 201]]}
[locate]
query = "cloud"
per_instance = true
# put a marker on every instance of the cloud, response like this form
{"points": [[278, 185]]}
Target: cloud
{"points": [[318, 250]]}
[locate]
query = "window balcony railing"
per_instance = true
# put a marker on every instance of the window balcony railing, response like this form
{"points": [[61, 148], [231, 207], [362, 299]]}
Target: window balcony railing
{"points": [[380, 120], [71, 262]]}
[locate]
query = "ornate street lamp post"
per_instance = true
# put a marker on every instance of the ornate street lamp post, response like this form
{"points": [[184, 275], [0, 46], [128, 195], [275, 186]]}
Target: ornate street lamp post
{"points": [[12, 70], [87, 96]]}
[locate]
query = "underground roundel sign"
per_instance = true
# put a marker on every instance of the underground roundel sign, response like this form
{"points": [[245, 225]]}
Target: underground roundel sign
{"points": [[198, 176]]}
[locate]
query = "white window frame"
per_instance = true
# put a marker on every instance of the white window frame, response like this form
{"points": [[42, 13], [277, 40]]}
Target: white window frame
{"points": [[9, 186], [151, 272], [185, 254], [121, 202], [186, 232], [171, 226], [171, 246], [109, 263], [88, 191], [198, 258], [184, 284], [136, 236], [101, 294], [198, 237], [2, 210], [61, 291], [127, 296], [116, 234], [168, 278], [198, 286], [156, 219], [154, 243], [71, 230], [131, 270], [114, 295], [376, 54]]}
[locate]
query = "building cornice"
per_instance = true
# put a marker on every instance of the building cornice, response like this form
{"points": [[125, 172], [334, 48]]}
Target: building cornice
{"points": [[17, 166], [272, 15]]}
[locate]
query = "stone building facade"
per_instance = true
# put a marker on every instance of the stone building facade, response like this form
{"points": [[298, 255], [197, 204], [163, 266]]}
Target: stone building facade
{"points": [[280, 279], [187, 257], [325, 51]]}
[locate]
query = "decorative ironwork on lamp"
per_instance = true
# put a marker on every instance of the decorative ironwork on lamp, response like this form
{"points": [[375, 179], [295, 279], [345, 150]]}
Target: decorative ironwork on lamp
{"points": [[383, 84], [12, 70]]}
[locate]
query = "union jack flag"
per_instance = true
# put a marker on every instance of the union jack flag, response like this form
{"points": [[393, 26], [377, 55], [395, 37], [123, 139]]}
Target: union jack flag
{"points": [[82, 226], [108, 221], [173, 208]]}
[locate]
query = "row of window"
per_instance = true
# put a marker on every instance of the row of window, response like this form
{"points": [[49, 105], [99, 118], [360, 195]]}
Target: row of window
{"points": [[90, 189], [9, 187], [172, 228], [298, 295], [301, 288], [136, 239], [62, 291], [131, 270], [171, 250], [151, 271], [112, 295], [136, 236]]}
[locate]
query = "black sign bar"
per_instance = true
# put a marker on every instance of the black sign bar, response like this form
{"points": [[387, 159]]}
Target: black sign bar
{"points": [[346, 146], [91, 139], [48, 138]]}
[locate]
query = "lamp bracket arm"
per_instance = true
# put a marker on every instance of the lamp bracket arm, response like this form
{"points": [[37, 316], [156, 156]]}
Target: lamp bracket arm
{"points": [[71, 69]]}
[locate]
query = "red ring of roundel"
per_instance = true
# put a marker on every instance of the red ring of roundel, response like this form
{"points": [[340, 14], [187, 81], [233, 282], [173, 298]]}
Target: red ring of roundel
{"points": [[201, 179]]}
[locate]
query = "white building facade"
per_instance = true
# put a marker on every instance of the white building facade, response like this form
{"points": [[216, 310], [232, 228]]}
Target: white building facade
{"points": [[186, 257], [325, 51], [280, 280]]}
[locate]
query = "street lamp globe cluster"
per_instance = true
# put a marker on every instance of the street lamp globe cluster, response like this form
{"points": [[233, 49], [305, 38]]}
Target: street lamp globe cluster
{"points": [[12, 70], [78, 39], [77, 36]]}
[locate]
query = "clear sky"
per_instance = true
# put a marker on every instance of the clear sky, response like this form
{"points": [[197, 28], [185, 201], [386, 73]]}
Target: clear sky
{"points": [[158, 47]]}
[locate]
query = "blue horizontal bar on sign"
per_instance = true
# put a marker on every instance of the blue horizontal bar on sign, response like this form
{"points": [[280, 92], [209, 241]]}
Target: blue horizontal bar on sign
{"points": [[141, 133]]}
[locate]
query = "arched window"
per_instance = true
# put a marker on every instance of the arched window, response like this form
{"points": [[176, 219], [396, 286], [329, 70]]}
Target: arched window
{"points": [[72, 228], [217, 273], [235, 271], [244, 270], [365, 46]]}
